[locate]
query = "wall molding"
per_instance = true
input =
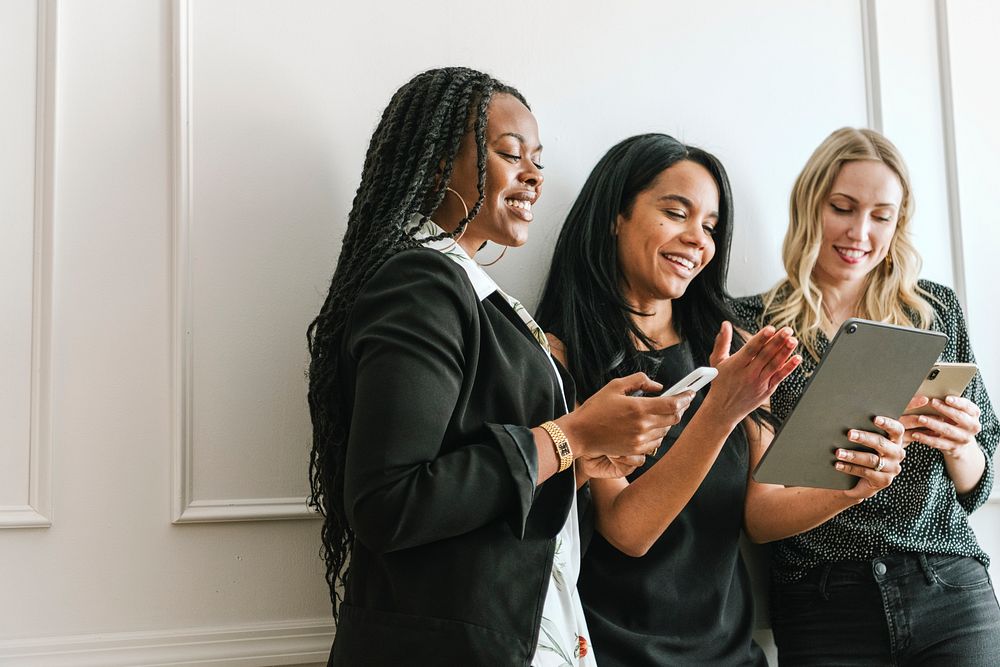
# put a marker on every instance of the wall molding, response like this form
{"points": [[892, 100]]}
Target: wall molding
{"points": [[38, 515], [185, 508], [873, 79], [246, 509], [38, 511], [257, 645], [181, 279], [950, 153]]}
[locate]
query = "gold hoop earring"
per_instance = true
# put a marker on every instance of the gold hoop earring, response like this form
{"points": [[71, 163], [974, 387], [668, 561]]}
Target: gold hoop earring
{"points": [[465, 207], [888, 263], [502, 253]]}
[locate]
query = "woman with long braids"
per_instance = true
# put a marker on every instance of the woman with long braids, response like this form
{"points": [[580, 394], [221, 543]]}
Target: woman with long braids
{"points": [[443, 454], [638, 284], [898, 578]]}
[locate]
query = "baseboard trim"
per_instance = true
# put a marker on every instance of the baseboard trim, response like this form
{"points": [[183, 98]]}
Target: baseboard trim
{"points": [[258, 645], [246, 509]]}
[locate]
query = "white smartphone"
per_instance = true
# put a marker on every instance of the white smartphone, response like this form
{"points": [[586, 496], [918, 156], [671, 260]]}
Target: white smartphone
{"points": [[944, 379], [693, 381]]}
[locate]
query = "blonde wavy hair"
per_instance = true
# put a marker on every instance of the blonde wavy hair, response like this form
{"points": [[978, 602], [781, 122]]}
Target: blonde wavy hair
{"points": [[891, 292]]}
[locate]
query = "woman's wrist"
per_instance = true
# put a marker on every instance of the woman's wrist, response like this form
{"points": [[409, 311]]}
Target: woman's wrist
{"points": [[852, 497], [721, 413], [568, 424], [561, 443], [966, 467], [967, 452]]}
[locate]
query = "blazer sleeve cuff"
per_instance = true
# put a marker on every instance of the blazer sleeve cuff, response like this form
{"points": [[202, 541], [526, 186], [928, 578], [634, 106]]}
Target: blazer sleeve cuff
{"points": [[517, 444]]}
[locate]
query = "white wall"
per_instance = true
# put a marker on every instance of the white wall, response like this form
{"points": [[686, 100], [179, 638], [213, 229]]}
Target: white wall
{"points": [[174, 186]]}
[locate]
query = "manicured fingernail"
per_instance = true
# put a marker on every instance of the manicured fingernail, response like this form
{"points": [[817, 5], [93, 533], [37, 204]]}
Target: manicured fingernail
{"points": [[922, 420], [951, 400], [853, 435], [839, 466], [880, 421]]}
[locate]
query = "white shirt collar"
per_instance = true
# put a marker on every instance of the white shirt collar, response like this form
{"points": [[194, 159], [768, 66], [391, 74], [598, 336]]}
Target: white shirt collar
{"points": [[481, 281]]}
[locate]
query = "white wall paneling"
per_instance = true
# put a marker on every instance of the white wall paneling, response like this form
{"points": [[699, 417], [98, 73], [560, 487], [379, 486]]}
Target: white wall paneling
{"points": [[975, 100], [239, 454], [26, 66], [910, 80], [873, 83], [259, 645], [950, 156], [112, 562], [261, 110]]}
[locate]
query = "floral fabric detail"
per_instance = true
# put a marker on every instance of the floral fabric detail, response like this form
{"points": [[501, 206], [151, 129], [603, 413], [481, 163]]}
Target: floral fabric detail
{"points": [[563, 640]]}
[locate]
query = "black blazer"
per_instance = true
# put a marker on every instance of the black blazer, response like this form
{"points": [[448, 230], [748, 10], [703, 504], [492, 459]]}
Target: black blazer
{"points": [[454, 542]]}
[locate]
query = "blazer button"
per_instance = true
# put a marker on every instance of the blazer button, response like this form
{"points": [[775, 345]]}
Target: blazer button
{"points": [[880, 568]]}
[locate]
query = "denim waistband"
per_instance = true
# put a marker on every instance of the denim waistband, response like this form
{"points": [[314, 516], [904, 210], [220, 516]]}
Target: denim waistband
{"points": [[883, 568]]}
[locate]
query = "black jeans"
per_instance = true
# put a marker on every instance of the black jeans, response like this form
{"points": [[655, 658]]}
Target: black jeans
{"points": [[902, 609]]}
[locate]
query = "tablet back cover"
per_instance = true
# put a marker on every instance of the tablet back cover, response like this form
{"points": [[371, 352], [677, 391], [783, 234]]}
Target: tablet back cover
{"points": [[870, 369]]}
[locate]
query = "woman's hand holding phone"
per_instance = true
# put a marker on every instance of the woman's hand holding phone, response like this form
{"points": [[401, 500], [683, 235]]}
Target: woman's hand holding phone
{"points": [[951, 430], [940, 418], [612, 422]]}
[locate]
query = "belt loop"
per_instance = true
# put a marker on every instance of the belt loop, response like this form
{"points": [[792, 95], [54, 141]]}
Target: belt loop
{"points": [[823, 576], [926, 567]]}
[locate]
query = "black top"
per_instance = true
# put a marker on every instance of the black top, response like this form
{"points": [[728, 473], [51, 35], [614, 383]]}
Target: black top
{"points": [[454, 543], [920, 512], [688, 600]]}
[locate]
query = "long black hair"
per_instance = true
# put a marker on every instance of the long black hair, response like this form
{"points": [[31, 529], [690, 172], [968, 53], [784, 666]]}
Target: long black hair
{"points": [[407, 168], [582, 302]]}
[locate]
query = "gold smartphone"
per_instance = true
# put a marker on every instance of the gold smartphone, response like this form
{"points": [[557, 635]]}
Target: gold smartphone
{"points": [[944, 379]]}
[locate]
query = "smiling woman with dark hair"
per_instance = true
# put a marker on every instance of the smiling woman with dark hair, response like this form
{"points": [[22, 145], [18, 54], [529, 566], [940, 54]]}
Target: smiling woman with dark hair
{"points": [[638, 284], [443, 455]]}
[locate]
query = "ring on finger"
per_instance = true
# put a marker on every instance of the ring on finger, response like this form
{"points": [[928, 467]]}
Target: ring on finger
{"points": [[880, 465]]}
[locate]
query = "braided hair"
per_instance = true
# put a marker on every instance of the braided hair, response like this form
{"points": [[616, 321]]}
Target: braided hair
{"points": [[407, 169]]}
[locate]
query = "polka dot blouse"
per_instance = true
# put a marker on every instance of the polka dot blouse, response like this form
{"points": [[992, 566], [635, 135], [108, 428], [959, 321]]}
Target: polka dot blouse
{"points": [[920, 512]]}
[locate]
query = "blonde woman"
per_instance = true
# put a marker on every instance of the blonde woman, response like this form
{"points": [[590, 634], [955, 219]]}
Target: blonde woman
{"points": [[898, 578]]}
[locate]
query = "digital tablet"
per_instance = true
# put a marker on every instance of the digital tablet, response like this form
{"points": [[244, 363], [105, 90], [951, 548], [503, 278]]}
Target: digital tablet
{"points": [[870, 369]]}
